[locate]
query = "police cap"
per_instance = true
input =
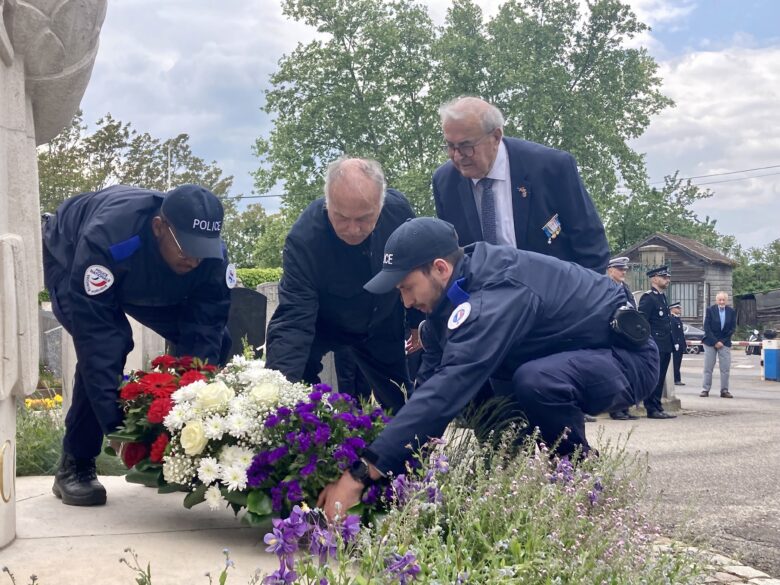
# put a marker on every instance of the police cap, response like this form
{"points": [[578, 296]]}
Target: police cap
{"points": [[660, 271], [197, 215], [414, 243], [619, 262], [675, 306]]}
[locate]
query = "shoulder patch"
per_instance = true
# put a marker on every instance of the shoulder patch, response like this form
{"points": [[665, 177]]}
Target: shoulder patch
{"points": [[231, 278], [459, 315], [97, 279], [123, 250]]}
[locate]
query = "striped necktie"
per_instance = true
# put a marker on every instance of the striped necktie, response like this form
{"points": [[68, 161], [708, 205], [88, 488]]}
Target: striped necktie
{"points": [[488, 209]]}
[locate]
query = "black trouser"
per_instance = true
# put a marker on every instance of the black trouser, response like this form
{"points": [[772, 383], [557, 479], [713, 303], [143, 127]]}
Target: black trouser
{"points": [[677, 357], [555, 391], [350, 377], [382, 362], [653, 402]]}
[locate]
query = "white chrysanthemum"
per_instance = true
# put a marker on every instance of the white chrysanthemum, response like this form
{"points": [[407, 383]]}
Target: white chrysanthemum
{"points": [[209, 470], [238, 424], [179, 415], [214, 498], [187, 393], [234, 477], [214, 427], [235, 455]]}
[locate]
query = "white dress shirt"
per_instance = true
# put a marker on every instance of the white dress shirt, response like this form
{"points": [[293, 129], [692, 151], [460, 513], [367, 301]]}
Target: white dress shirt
{"points": [[502, 191]]}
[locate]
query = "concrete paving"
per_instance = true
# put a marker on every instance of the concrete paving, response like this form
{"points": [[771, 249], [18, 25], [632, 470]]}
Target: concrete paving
{"points": [[714, 470]]}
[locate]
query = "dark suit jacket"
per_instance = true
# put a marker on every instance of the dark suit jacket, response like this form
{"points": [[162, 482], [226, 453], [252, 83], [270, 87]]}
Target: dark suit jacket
{"points": [[712, 329], [545, 182], [654, 307]]}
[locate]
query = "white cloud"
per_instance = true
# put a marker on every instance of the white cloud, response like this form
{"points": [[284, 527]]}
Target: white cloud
{"points": [[724, 120]]}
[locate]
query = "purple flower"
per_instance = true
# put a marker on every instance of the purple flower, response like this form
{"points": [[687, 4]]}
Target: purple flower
{"points": [[350, 527], [280, 543], [277, 454], [322, 543], [272, 421], [323, 581], [376, 413], [276, 498], [321, 435], [400, 489], [362, 422], [310, 467], [315, 396], [297, 523], [283, 576], [345, 452], [355, 443], [347, 417], [324, 388], [283, 412], [294, 493], [403, 568], [310, 418], [259, 470], [304, 441], [564, 471], [303, 407], [371, 495], [340, 397], [433, 493]]}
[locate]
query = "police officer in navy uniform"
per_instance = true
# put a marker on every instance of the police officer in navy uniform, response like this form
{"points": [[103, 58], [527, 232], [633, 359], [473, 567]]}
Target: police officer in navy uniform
{"points": [[335, 246], [538, 325], [156, 257], [616, 270], [654, 307], [678, 338]]}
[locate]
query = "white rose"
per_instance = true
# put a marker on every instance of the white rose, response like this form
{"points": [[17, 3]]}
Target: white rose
{"points": [[265, 393], [193, 438], [213, 396]]}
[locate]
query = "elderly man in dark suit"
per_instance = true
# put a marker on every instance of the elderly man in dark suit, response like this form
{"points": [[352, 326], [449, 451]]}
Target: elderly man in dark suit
{"points": [[513, 192], [719, 324]]}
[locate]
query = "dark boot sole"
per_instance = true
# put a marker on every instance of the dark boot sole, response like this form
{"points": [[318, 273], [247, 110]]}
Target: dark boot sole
{"points": [[89, 500]]}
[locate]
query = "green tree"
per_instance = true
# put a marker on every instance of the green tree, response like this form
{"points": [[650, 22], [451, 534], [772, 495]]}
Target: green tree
{"points": [[77, 161], [560, 70]]}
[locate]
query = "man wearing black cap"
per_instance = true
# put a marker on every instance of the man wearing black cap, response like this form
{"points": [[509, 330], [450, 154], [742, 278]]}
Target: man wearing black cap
{"points": [[156, 257], [678, 338], [536, 326], [654, 307], [616, 270]]}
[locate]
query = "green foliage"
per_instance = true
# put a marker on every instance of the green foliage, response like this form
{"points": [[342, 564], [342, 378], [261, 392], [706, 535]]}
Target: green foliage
{"points": [[39, 436], [561, 71], [76, 161], [757, 270], [43, 297], [253, 238], [251, 277]]}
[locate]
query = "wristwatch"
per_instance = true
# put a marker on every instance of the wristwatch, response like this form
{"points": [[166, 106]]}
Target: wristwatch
{"points": [[360, 472]]}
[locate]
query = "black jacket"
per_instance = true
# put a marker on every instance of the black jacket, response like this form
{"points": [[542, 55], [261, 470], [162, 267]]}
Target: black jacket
{"points": [[321, 291], [654, 307], [109, 233], [678, 333]]}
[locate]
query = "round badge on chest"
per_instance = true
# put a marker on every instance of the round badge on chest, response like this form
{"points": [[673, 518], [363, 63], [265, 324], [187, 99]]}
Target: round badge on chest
{"points": [[459, 316]]}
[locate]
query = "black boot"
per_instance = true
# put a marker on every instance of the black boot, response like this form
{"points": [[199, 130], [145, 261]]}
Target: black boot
{"points": [[76, 483]]}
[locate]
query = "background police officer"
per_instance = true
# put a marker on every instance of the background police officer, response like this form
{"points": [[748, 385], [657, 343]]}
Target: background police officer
{"points": [[616, 270], [335, 246], [678, 338], [159, 258], [537, 324], [655, 308]]}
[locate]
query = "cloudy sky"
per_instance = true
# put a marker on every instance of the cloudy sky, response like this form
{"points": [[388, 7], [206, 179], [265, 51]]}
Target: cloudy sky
{"points": [[201, 66]]}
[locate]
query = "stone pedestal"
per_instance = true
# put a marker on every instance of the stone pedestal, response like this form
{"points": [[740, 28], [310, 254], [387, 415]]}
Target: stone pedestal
{"points": [[7, 470]]}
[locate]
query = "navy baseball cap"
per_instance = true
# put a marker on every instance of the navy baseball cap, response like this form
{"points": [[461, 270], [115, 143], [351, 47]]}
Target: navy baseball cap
{"points": [[414, 243], [197, 215]]}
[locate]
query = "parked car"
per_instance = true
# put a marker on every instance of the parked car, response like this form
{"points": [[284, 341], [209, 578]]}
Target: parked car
{"points": [[693, 337]]}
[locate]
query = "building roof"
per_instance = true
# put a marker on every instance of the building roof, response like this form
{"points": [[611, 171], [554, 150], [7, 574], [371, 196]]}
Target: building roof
{"points": [[687, 245]]}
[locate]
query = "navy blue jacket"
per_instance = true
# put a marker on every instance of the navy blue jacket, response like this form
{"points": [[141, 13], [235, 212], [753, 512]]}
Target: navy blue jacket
{"points": [[545, 182], [321, 291], [678, 333], [524, 306], [712, 329], [112, 229], [654, 307]]}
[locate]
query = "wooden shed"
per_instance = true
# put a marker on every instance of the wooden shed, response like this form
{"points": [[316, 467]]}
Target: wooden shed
{"points": [[759, 310], [698, 271]]}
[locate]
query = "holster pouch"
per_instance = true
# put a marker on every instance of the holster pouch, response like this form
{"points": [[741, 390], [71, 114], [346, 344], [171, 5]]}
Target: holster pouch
{"points": [[630, 328]]}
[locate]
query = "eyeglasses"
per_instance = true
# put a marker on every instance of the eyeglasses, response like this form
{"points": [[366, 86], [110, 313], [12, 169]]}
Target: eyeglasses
{"points": [[181, 253], [466, 150]]}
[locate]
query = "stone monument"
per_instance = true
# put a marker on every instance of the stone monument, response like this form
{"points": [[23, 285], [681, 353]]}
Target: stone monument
{"points": [[47, 50]]}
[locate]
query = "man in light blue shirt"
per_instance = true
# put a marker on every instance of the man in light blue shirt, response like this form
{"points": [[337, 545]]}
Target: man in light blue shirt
{"points": [[719, 324]]}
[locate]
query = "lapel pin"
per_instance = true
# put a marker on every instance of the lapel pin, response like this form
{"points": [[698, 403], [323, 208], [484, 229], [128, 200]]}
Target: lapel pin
{"points": [[523, 192]]}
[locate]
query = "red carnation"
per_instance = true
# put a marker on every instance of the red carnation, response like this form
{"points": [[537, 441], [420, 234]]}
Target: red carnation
{"points": [[208, 368], [131, 390], [190, 376], [158, 448], [159, 409], [166, 361], [134, 453], [158, 384], [185, 362]]}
